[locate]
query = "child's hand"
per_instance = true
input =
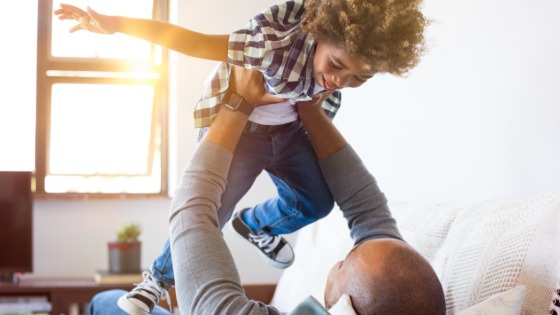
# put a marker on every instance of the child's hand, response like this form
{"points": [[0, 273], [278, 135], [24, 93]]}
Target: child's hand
{"points": [[90, 20], [250, 85]]}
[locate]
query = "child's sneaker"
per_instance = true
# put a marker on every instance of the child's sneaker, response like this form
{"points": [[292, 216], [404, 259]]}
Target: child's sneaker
{"points": [[275, 249], [144, 297]]}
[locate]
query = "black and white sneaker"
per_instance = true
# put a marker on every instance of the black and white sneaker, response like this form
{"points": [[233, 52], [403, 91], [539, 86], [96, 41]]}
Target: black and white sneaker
{"points": [[144, 297], [276, 250]]}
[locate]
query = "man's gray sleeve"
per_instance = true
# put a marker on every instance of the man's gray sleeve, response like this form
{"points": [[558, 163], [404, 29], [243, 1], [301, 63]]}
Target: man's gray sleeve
{"points": [[356, 192], [206, 279]]}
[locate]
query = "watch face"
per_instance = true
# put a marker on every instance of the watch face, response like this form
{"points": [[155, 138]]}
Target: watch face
{"points": [[233, 101], [236, 102]]}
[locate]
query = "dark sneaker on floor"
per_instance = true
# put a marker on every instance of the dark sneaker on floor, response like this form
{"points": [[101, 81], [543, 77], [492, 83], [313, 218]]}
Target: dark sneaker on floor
{"points": [[144, 297], [275, 249]]}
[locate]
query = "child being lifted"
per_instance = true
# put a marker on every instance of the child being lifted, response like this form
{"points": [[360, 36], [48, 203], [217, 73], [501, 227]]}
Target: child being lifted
{"points": [[304, 50]]}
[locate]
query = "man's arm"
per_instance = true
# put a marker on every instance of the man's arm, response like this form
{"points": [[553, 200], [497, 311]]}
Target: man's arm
{"points": [[354, 188], [206, 279], [185, 41], [325, 137]]}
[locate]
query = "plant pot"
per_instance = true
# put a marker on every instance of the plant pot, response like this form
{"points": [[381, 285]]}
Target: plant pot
{"points": [[124, 257]]}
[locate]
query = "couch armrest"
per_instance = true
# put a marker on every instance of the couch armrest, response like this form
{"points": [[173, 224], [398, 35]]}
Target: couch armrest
{"points": [[262, 292]]}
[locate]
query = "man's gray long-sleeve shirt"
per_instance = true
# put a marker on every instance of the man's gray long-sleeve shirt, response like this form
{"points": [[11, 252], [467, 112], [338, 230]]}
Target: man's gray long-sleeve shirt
{"points": [[207, 281]]}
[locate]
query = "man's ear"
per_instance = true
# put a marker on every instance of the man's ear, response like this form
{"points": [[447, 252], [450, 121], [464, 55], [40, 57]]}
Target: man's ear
{"points": [[343, 306]]}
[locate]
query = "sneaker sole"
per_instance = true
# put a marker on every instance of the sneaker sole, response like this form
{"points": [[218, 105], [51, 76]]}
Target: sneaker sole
{"points": [[130, 308]]}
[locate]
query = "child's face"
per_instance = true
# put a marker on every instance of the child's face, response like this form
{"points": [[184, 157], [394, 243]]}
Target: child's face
{"points": [[334, 69]]}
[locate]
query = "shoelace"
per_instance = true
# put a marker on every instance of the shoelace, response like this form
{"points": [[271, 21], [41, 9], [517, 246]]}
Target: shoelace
{"points": [[151, 285], [264, 241]]}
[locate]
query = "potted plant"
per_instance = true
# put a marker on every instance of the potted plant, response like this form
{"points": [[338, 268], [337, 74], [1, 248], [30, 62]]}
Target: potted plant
{"points": [[124, 253]]}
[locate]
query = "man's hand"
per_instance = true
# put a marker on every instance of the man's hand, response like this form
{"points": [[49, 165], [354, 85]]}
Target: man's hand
{"points": [[89, 21], [312, 109], [250, 85], [312, 106], [325, 137]]}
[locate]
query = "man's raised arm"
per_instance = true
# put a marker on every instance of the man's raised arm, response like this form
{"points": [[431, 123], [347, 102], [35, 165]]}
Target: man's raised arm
{"points": [[206, 278], [354, 188]]}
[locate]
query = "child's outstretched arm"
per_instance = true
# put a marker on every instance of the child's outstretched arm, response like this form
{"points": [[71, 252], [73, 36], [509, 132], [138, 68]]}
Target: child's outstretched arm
{"points": [[185, 41]]}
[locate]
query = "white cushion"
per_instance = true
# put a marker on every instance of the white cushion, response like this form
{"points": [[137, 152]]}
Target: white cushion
{"points": [[424, 227], [497, 245], [506, 303]]}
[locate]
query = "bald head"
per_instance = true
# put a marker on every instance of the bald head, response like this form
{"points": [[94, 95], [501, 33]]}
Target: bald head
{"points": [[386, 276]]}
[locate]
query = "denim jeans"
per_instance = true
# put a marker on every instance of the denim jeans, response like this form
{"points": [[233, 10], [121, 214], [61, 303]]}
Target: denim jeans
{"points": [[286, 154], [105, 303]]}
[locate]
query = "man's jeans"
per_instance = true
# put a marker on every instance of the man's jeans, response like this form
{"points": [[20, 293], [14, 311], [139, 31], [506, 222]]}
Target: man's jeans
{"points": [[105, 303], [286, 154]]}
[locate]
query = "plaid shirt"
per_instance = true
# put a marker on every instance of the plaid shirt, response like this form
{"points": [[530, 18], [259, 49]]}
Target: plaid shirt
{"points": [[273, 44]]}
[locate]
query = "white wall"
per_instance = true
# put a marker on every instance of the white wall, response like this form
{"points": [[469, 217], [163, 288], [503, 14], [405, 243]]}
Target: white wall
{"points": [[479, 118]]}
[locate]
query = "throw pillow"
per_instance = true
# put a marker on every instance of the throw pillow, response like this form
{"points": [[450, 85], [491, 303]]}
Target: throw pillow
{"points": [[506, 303], [496, 245], [424, 226]]}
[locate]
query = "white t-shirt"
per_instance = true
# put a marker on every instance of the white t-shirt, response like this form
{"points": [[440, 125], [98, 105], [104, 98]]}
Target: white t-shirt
{"points": [[277, 113]]}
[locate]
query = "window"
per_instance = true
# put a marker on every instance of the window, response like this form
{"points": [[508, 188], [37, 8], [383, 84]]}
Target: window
{"points": [[101, 106]]}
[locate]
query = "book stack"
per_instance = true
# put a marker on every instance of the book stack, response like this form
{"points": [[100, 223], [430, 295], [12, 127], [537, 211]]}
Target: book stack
{"points": [[105, 277], [24, 305]]}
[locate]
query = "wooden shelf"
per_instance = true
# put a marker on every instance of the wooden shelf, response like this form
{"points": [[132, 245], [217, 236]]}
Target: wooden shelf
{"points": [[68, 297], [71, 297]]}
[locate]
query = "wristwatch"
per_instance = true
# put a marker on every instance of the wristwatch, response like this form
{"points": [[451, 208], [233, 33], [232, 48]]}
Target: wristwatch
{"points": [[236, 102]]}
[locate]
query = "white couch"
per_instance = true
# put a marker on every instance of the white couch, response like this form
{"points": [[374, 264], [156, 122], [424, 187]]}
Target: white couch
{"points": [[493, 257]]}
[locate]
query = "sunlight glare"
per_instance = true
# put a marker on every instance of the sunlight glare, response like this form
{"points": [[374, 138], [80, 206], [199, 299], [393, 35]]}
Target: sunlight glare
{"points": [[107, 132]]}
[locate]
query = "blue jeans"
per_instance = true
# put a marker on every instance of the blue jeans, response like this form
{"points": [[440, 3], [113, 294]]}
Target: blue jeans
{"points": [[286, 154], [105, 303]]}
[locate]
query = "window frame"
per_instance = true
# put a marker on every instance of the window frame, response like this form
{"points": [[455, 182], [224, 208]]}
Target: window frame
{"points": [[103, 68]]}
